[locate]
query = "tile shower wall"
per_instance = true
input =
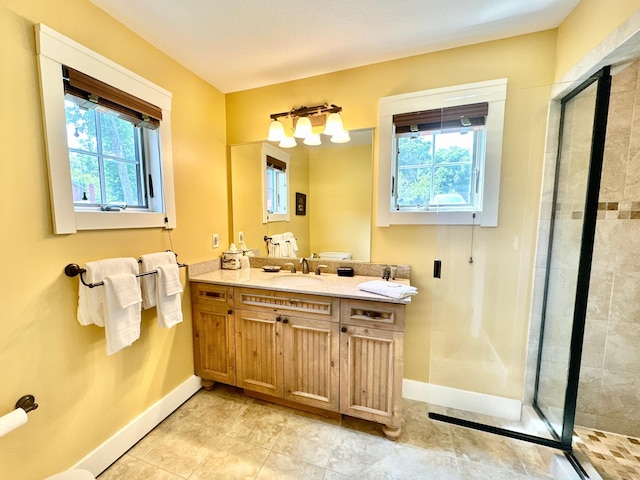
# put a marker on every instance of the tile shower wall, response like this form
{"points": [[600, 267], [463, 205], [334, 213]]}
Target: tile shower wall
{"points": [[609, 396]]}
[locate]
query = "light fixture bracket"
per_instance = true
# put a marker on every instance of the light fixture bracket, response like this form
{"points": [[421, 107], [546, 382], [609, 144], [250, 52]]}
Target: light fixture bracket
{"points": [[308, 111]]}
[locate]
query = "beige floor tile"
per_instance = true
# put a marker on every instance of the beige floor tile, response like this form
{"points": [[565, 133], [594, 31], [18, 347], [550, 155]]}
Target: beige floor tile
{"points": [[231, 459], [478, 471], [130, 468], [224, 435], [354, 452], [307, 440], [259, 426], [410, 463], [177, 447], [329, 475], [282, 467], [485, 448]]}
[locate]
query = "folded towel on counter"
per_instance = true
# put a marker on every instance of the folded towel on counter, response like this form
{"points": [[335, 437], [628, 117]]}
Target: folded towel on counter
{"points": [[168, 301], [122, 311], [388, 289], [148, 263], [91, 300]]}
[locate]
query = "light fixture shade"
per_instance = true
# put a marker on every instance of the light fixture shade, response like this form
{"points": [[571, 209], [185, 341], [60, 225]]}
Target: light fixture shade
{"points": [[313, 139], [303, 128], [334, 125], [276, 131], [341, 137], [288, 142]]}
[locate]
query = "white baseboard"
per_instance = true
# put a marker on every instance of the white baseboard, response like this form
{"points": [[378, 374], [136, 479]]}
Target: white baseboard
{"points": [[481, 403], [113, 448]]}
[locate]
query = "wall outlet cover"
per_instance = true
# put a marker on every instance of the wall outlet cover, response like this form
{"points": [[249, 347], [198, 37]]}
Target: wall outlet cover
{"points": [[215, 241]]}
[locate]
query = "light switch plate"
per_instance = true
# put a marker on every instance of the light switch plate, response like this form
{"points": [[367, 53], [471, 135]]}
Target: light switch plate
{"points": [[215, 240], [240, 237]]}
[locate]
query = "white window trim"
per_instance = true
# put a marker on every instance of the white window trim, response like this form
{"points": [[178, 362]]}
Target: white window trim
{"points": [[494, 92], [270, 150], [55, 50]]}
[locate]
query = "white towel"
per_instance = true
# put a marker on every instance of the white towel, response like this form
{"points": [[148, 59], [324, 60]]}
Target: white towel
{"points": [[122, 311], [168, 289], [275, 245], [388, 289], [291, 243], [148, 263], [91, 300]]}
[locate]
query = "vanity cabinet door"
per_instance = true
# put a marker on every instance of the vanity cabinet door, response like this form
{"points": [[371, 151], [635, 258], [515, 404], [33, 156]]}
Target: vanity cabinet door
{"points": [[371, 375], [259, 352], [213, 333], [311, 362]]}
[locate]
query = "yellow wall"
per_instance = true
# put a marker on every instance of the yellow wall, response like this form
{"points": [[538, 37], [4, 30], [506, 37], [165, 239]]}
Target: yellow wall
{"points": [[85, 397], [442, 307], [590, 22]]}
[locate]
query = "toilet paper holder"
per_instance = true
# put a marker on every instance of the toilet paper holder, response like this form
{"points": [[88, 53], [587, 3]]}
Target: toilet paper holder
{"points": [[27, 403]]}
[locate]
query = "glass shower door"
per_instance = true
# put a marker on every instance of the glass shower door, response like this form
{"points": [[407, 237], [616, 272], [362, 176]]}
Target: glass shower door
{"points": [[492, 277], [572, 232]]}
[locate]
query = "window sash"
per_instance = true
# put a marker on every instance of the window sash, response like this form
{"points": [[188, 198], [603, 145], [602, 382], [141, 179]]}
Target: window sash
{"points": [[432, 166]]}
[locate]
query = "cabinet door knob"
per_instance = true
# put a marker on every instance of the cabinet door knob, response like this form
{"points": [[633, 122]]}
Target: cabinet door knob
{"points": [[285, 320], [344, 329], [229, 312], [278, 319]]}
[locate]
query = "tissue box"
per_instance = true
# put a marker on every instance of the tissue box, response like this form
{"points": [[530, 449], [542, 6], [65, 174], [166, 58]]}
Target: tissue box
{"points": [[231, 260]]}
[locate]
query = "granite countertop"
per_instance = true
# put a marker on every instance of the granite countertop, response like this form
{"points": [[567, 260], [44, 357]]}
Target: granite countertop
{"points": [[328, 284]]}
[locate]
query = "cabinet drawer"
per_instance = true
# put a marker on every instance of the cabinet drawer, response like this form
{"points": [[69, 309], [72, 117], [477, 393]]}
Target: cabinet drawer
{"points": [[389, 316], [309, 306], [212, 296]]}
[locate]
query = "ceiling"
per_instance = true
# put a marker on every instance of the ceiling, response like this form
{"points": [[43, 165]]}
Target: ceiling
{"points": [[241, 44]]}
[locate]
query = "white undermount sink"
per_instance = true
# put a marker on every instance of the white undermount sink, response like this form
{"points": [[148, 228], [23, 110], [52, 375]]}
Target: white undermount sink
{"points": [[292, 280]]}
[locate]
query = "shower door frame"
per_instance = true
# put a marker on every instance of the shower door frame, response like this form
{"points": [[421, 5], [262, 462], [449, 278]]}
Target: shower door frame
{"points": [[563, 440], [603, 79]]}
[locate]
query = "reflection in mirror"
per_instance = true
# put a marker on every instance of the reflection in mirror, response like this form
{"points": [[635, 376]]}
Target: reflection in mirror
{"points": [[336, 181]]}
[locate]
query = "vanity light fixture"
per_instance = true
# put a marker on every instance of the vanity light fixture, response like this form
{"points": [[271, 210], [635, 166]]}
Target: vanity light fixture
{"points": [[276, 131], [313, 139], [288, 142], [304, 119]]}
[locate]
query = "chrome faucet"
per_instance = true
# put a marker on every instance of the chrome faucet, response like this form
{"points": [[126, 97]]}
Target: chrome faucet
{"points": [[318, 269], [293, 267], [305, 265]]}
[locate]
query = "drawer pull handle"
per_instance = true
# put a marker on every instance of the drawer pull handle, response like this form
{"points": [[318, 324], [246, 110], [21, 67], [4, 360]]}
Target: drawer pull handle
{"points": [[344, 329], [211, 294], [285, 320]]}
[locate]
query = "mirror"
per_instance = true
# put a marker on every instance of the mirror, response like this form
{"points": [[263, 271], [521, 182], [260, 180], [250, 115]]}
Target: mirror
{"points": [[336, 180]]}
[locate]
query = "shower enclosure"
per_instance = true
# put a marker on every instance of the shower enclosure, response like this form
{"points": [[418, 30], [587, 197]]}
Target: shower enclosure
{"points": [[581, 277]]}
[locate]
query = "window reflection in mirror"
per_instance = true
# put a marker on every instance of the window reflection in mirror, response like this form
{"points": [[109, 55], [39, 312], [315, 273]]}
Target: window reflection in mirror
{"points": [[337, 182]]}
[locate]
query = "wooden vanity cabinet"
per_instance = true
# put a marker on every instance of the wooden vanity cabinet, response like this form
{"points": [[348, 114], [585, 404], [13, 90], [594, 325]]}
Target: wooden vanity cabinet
{"points": [[371, 364], [335, 355], [287, 346], [213, 333]]}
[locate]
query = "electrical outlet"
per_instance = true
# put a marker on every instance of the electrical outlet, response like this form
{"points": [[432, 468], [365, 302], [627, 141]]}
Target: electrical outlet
{"points": [[215, 240], [240, 237]]}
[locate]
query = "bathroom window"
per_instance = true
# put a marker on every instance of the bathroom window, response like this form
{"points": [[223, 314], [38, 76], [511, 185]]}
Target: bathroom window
{"points": [[440, 153], [108, 138], [275, 183], [108, 163]]}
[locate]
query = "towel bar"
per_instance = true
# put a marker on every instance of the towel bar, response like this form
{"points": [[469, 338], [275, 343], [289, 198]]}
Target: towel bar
{"points": [[73, 270]]}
